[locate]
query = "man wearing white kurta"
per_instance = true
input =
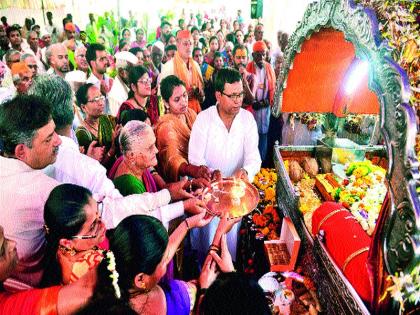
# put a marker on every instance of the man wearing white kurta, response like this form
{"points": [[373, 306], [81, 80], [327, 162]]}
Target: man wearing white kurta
{"points": [[224, 137]]}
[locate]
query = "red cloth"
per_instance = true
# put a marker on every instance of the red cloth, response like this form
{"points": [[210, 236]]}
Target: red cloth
{"points": [[259, 46], [343, 237], [152, 108], [36, 301]]}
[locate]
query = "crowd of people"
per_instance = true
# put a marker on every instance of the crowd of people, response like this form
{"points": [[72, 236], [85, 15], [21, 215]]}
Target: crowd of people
{"points": [[106, 140]]}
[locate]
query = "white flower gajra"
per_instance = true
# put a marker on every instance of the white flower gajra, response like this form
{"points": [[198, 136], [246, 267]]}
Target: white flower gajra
{"points": [[114, 274]]}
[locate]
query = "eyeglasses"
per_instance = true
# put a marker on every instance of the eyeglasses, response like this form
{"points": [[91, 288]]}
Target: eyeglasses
{"points": [[145, 81], [146, 56], [94, 226], [97, 99], [235, 97]]}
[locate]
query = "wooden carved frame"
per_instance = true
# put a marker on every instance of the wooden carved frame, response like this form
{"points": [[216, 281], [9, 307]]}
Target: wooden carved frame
{"points": [[400, 236]]}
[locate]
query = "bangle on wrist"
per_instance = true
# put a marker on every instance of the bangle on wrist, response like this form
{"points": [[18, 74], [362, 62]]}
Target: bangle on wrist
{"points": [[214, 247], [187, 225]]}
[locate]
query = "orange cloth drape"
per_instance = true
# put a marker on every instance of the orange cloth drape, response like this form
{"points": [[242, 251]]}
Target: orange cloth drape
{"points": [[315, 82], [35, 301], [271, 78], [172, 137], [191, 77]]}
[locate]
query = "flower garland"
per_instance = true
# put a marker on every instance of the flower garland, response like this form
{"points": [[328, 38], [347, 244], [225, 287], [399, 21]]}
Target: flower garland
{"points": [[112, 267], [266, 219], [405, 287], [311, 120]]}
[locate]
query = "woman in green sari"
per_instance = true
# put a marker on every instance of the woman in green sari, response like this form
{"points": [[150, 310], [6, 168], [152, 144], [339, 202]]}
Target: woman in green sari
{"points": [[97, 129], [138, 146]]}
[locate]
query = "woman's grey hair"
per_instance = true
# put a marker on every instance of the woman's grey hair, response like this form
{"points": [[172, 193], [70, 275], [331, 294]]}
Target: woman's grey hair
{"points": [[58, 92], [131, 135]]}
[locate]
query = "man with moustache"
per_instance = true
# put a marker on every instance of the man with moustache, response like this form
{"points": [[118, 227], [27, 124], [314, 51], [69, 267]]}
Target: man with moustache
{"points": [[188, 70], [265, 83], [259, 32], [78, 76], [224, 138], [30, 143], [97, 59], [34, 49], [58, 59], [240, 59], [15, 38]]}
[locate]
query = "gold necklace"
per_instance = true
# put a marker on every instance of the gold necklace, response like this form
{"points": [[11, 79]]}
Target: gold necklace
{"points": [[96, 129]]}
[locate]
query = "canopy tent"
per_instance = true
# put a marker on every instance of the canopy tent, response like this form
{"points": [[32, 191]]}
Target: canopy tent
{"points": [[31, 4]]}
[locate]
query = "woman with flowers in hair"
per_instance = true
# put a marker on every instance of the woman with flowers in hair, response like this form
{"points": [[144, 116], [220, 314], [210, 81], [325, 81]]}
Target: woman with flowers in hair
{"points": [[140, 245]]}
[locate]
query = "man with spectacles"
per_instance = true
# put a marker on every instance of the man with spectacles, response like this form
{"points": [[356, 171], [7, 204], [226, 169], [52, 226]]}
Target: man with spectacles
{"points": [[224, 138], [80, 74], [265, 82]]}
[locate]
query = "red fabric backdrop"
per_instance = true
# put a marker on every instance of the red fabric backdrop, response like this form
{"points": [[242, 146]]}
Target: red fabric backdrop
{"points": [[315, 83]]}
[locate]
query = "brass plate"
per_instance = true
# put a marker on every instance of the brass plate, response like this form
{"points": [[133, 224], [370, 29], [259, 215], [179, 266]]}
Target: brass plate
{"points": [[230, 195]]}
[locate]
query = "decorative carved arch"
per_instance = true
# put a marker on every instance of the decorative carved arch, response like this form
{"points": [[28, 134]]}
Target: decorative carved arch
{"points": [[400, 234]]}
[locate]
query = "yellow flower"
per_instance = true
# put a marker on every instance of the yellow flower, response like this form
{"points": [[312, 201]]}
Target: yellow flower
{"points": [[270, 194]]}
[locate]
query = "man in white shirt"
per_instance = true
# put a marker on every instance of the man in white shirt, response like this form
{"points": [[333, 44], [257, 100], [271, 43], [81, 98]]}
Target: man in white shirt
{"points": [[58, 59], [78, 76], [225, 139], [34, 49], [119, 91], [29, 144]]}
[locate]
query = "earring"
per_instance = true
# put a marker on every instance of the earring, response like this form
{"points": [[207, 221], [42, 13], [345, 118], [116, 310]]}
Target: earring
{"points": [[143, 287], [66, 250]]}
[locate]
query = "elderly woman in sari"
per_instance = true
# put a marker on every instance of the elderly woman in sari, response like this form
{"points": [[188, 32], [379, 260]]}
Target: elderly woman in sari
{"points": [[173, 134], [134, 173]]}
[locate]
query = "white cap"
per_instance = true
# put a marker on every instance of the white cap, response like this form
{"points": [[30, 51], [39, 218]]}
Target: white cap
{"points": [[122, 57], [159, 45]]}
